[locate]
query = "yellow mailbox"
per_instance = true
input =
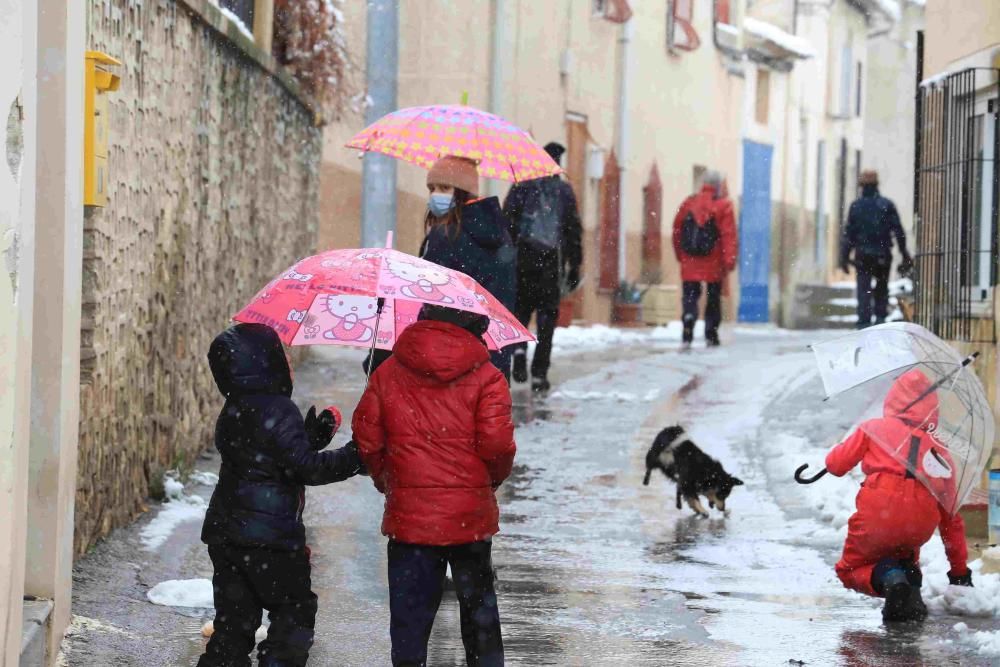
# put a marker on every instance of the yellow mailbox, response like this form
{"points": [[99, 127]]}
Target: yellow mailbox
{"points": [[99, 82]]}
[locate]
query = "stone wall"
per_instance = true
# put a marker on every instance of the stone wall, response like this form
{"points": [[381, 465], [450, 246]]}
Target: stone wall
{"points": [[214, 177]]}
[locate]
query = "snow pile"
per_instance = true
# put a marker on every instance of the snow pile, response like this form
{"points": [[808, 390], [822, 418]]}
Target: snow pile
{"points": [[615, 396], [985, 643], [889, 8], [178, 509], [981, 601], [204, 478], [182, 593], [777, 36], [238, 22], [576, 339]]}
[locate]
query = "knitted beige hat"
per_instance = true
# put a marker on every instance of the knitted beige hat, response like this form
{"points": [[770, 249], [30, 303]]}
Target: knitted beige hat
{"points": [[458, 172], [868, 177]]}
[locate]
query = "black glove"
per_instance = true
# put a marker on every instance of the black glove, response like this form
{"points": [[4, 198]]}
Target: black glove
{"points": [[906, 266], [320, 430], [352, 446], [961, 580], [573, 277]]}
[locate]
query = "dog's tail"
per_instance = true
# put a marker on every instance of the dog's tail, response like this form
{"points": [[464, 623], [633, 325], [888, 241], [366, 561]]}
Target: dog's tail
{"points": [[645, 480]]}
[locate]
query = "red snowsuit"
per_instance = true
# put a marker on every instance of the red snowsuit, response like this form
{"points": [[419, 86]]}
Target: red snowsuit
{"points": [[896, 513], [713, 267], [435, 430]]}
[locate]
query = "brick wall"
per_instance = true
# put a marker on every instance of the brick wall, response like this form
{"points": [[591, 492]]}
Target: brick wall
{"points": [[214, 176]]}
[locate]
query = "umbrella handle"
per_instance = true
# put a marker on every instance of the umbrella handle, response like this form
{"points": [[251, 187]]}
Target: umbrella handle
{"points": [[371, 351], [808, 480]]}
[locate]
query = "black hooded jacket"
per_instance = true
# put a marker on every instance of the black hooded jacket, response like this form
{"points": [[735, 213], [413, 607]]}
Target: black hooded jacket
{"points": [[872, 223], [266, 456], [482, 249]]}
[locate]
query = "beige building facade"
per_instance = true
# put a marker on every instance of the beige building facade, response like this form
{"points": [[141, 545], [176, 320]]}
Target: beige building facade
{"points": [[572, 73]]}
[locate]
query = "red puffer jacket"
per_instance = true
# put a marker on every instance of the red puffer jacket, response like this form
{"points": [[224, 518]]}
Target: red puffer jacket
{"points": [[713, 267], [435, 430]]}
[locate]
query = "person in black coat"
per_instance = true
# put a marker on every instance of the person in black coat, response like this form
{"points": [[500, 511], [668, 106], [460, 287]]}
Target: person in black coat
{"points": [[872, 223], [253, 527], [545, 224], [470, 235]]}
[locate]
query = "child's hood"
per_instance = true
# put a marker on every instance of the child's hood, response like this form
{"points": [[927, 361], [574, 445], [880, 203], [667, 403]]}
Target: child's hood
{"points": [[249, 359], [440, 350], [909, 400]]}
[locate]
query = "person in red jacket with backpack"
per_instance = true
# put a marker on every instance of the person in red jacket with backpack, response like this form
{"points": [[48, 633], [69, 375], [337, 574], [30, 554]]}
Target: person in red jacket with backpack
{"points": [[705, 246], [896, 512], [435, 430]]}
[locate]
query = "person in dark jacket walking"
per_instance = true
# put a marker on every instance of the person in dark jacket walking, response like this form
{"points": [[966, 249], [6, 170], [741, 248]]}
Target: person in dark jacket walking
{"points": [[470, 235], [436, 432], [253, 527], [704, 238], [545, 223], [872, 223]]}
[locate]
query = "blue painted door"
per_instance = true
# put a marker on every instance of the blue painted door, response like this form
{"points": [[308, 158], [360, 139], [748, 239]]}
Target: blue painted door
{"points": [[755, 232]]}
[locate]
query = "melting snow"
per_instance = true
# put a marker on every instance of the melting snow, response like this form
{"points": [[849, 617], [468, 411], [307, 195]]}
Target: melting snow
{"points": [[238, 22], [785, 40], [182, 593], [178, 509]]}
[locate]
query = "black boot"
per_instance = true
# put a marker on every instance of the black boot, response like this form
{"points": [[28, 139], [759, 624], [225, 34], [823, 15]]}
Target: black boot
{"points": [[540, 385], [688, 336], [520, 368], [889, 579], [917, 610], [712, 339]]}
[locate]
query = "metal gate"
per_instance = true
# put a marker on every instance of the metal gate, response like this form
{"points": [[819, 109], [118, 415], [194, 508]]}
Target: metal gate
{"points": [[956, 197]]}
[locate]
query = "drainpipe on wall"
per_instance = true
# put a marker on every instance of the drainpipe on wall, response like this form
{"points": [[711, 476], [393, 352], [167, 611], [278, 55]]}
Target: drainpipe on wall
{"points": [[378, 190], [623, 127], [498, 60]]}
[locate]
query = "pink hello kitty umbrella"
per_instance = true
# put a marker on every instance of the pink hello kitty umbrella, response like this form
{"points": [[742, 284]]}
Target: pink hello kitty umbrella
{"points": [[333, 299]]}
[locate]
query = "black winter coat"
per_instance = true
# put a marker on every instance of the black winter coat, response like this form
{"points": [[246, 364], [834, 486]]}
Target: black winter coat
{"points": [[872, 223], [482, 250], [266, 457], [534, 265]]}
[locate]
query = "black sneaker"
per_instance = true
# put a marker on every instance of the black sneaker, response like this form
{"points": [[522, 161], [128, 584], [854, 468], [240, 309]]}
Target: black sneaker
{"points": [[520, 368], [540, 385]]}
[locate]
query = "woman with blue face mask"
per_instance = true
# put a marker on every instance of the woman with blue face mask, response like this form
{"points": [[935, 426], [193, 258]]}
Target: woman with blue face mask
{"points": [[470, 234]]}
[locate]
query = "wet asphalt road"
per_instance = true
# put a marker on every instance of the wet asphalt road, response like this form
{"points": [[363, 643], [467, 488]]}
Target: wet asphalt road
{"points": [[594, 568]]}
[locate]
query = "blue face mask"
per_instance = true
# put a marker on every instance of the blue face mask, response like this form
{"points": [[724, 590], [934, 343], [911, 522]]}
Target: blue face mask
{"points": [[439, 204]]}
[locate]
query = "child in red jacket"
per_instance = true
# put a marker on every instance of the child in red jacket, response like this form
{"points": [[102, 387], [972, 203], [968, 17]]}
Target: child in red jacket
{"points": [[896, 512], [435, 430]]}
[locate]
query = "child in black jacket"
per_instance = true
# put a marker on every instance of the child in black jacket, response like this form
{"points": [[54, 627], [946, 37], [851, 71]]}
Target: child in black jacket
{"points": [[253, 527]]}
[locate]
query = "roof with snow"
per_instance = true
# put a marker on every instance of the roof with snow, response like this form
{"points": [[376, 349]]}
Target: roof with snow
{"points": [[774, 42]]}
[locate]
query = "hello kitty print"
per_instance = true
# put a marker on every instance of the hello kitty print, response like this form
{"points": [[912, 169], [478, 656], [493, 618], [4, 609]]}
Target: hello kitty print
{"points": [[333, 299]]}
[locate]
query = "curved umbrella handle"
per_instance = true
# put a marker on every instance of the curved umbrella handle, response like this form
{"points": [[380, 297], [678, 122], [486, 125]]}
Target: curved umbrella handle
{"points": [[808, 480]]}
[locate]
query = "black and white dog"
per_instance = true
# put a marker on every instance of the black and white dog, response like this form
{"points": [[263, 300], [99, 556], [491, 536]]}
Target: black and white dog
{"points": [[695, 472]]}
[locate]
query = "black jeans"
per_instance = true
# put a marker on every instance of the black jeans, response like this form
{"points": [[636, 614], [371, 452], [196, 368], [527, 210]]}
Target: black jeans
{"points": [[869, 271], [535, 296], [416, 583], [247, 581], [713, 306]]}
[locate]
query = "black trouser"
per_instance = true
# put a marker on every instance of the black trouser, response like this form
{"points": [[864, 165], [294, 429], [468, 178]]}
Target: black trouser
{"points": [[713, 307], [416, 583], [877, 271], [247, 581], [538, 295]]}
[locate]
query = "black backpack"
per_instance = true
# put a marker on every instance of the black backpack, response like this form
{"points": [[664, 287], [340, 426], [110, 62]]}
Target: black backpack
{"points": [[698, 240], [541, 224]]}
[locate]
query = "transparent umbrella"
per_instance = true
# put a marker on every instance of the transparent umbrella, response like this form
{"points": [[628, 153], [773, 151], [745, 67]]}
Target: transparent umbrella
{"points": [[927, 409]]}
